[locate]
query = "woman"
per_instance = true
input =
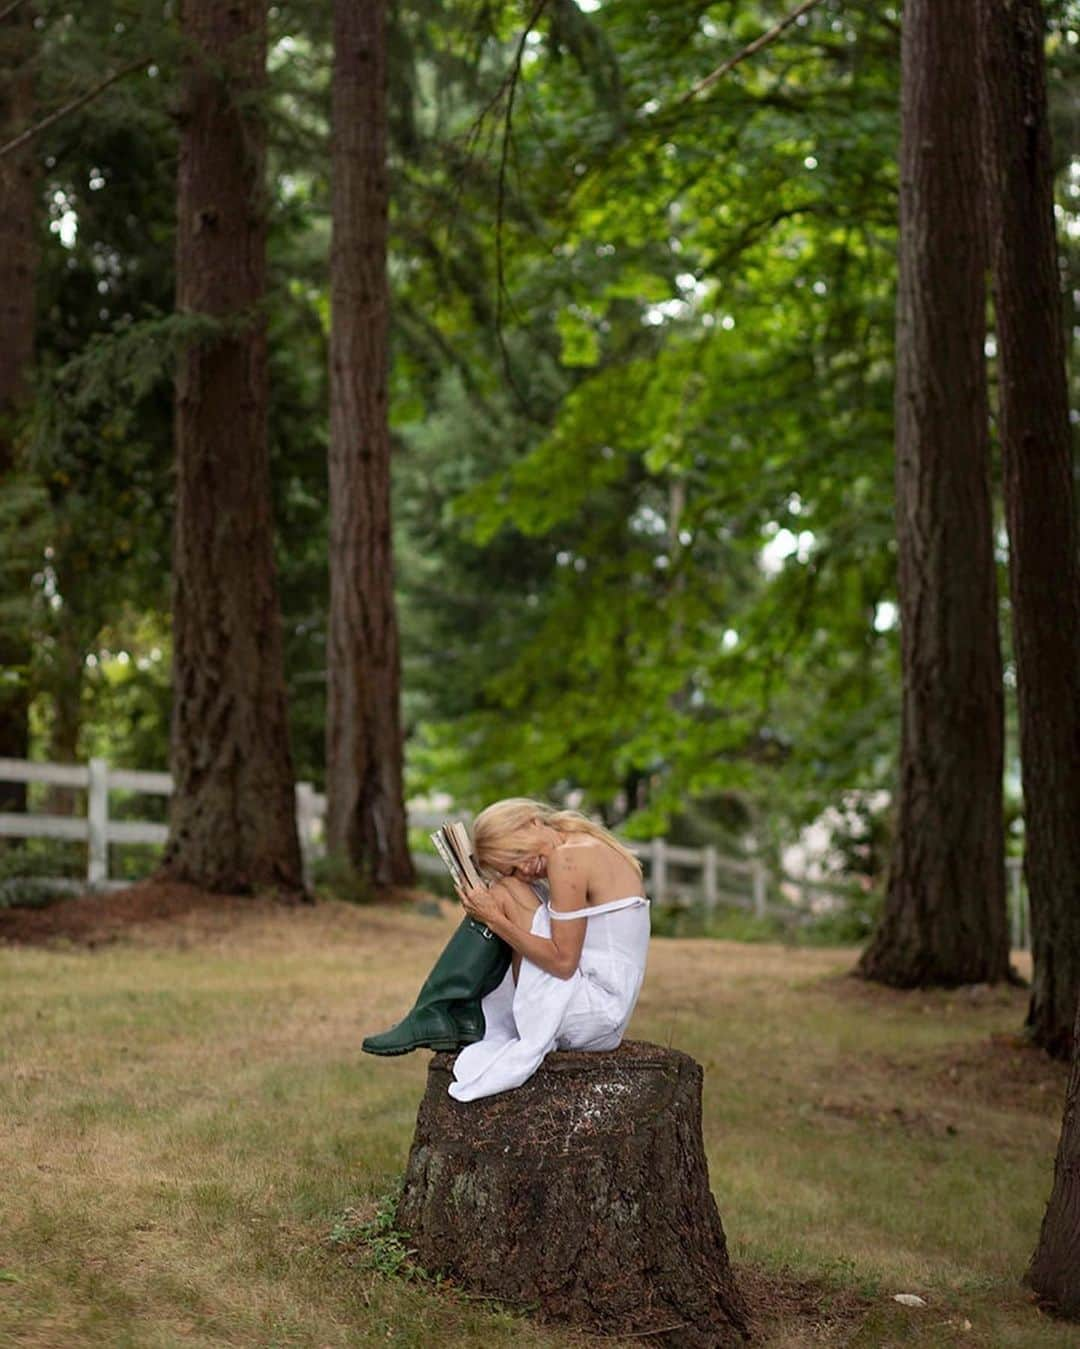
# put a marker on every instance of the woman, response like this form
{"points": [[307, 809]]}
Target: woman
{"points": [[579, 951], [566, 901]]}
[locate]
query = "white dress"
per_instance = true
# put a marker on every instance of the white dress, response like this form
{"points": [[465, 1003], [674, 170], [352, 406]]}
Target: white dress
{"points": [[541, 1012]]}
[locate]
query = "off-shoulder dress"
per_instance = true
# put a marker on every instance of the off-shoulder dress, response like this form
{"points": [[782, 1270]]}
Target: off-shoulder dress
{"points": [[541, 1012]]}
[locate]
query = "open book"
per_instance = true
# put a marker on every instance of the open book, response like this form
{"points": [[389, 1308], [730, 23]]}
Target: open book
{"points": [[453, 846]]}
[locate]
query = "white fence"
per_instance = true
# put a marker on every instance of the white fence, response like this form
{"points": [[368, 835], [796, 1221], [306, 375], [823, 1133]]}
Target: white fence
{"points": [[97, 830], [715, 878], [720, 879]]}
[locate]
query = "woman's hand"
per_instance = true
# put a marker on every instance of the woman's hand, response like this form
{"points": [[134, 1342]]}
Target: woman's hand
{"points": [[478, 902]]}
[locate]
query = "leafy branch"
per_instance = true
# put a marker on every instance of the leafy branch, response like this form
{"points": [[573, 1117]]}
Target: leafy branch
{"points": [[763, 41], [24, 136]]}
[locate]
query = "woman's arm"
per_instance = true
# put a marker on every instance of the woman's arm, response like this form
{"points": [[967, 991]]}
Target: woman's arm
{"points": [[558, 955]]}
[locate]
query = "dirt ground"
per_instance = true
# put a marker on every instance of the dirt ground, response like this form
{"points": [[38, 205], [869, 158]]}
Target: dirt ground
{"points": [[163, 913]]}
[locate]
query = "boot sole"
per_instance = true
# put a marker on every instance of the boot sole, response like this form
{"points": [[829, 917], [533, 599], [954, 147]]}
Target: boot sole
{"points": [[440, 1047]]}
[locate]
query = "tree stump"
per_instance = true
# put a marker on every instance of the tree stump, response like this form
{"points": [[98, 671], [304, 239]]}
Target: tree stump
{"points": [[584, 1192]]}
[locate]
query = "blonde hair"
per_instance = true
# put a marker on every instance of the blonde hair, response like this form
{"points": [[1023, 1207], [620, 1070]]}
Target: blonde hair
{"points": [[502, 818]]}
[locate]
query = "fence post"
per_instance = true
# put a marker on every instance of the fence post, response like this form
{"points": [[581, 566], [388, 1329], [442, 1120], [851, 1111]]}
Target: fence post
{"points": [[659, 869], [97, 822], [305, 819], [758, 876], [709, 878]]}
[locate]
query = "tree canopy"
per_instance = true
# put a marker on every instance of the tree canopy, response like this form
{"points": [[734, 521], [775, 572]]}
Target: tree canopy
{"points": [[641, 395]]}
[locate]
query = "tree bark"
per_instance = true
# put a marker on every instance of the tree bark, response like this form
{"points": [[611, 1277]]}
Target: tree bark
{"points": [[365, 798], [232, 819], [1054, 1272], [585, 1191], [65, 689], [18, 268], [1040, 503], [944, 920]]}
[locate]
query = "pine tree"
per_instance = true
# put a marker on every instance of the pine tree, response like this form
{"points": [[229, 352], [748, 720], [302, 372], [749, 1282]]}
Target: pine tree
{"points": [[18, 264], [1054, 1271], [365, 805], [1040, 505], [232, 823], [944, 920]]}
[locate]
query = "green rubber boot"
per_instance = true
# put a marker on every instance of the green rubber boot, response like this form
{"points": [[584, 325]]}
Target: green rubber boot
{"points": [[447, 1012]]}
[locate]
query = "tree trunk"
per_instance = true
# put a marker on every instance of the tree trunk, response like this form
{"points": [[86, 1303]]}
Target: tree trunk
{"points": [[585, 1191], [232, 819], [65, 689], [18, 267], [1054, 1272], [1040, 505], [365, 798], [945, 919]]}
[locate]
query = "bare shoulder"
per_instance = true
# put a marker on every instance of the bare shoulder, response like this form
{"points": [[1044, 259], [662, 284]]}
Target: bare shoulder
{"points": [[591, 868], [514, 896], [571, 859], [512, 888]]}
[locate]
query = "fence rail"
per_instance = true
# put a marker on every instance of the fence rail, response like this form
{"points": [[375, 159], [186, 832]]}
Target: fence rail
{"points": [[716, 879]]}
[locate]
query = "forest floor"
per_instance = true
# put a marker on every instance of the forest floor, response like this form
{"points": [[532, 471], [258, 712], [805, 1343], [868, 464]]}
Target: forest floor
{"points": [[186, 1118]]}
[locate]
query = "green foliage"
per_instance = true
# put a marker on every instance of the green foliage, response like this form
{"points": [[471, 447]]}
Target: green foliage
{"points": [[848, 927], [727, 924], [378, 1243], [24, 530], [128, 686], [646, 643], [335, 876], [641, 398], [29, 868]]}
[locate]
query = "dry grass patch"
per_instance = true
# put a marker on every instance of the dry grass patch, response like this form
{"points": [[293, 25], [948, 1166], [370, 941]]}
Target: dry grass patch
{"points": [[185, 1114]]}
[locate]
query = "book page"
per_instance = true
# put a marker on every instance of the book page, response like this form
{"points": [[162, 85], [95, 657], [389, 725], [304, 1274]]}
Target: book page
{"points": [[464, 851]]}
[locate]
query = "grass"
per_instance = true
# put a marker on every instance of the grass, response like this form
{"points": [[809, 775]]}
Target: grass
{"points": [[188, 1131]]}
